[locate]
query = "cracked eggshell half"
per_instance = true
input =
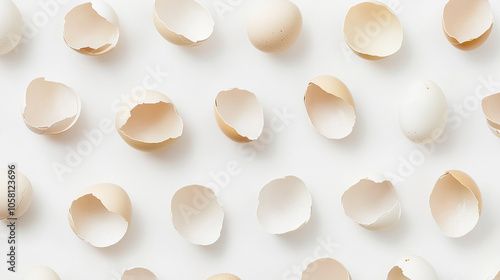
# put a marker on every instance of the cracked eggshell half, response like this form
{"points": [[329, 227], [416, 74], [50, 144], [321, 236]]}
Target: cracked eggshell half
{"points": [[456, 203], [412, 268], [224, 276], [467, 23], [285, 205], [183, 22], [50, 107], [423, 112], [275, 26], [149, 121], [325, 269], [239, 115], [91, 28], [138, 273], [372, 203], [330, 107], [372, 30], [24, 194], [197, 215], [491, 109], [11, 26], [101, 214], [40, 273]]}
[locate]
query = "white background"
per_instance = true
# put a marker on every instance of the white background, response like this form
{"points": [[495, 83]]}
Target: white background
{"points": [[227, 60]]}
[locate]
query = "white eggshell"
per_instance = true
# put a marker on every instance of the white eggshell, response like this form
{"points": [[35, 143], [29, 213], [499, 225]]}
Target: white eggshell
{"points": [[491, 109], [11, 26], [224, 276], [41, 273], [412, 268], [24, 194], [325, 269], [423, 112], [138, 273]]}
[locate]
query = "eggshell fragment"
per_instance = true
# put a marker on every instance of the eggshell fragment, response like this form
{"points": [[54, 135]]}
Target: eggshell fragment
{"points": [[491, 109], [412, 268], [372, 30], [275, 26], [138, 273], [284, 205], [24, 194], [197, 215], [101, 214], [150, 122], [239, 115], [330, 107], [456, 203], [183, 22], [423, 112], [467, 23], [11, 26], [91, 28], [41, 273], [372, 203], [224, 276], [50, 107], [325, 269]]}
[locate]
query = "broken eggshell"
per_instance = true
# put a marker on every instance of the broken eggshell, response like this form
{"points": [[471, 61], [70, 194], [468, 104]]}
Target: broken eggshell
{"points": [[183, 22], [197, 215], [239, 115], [491, 109], [101, 214], [275, 26], [41, 273], [456, 203], [138, 273], [11, 26], [372, 203], [24, 194], [284, 205], [50, 107], [372, 30], [467, 23], [91, 28], [412, 268], [149, 121], [330, 107], [224, 276], [325, 269]]}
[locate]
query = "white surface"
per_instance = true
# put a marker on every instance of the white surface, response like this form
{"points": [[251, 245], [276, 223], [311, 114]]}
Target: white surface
{"points": [[328, 167]]}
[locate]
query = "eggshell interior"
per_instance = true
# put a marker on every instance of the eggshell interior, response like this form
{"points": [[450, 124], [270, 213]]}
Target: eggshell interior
{"points": [[24, 194], [11, 26], [224, 276], [330, 107], [101, 215], [284, 205], [183, 22], [239, 115], [41, 273], [372, 30], [91, 28], [138, 273], [197, 214], [412, 268], [325, 269], [456, 203], [491, 109]]}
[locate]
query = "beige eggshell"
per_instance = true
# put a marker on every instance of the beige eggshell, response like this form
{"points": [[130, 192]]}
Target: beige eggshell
{"points": [[491, 109], [183, 22], [372, 30], [138, 273], [101, 214], [224, 276], [24, 194], [325, 269], [197, 215], [91, 28], [11, 26], [330, 107], [40, 273], [239, 115], [467, 23], [285, 205], [149, 122], [372, 203], [50, 107], [412, 268], [275, 26], [456, 203]]}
